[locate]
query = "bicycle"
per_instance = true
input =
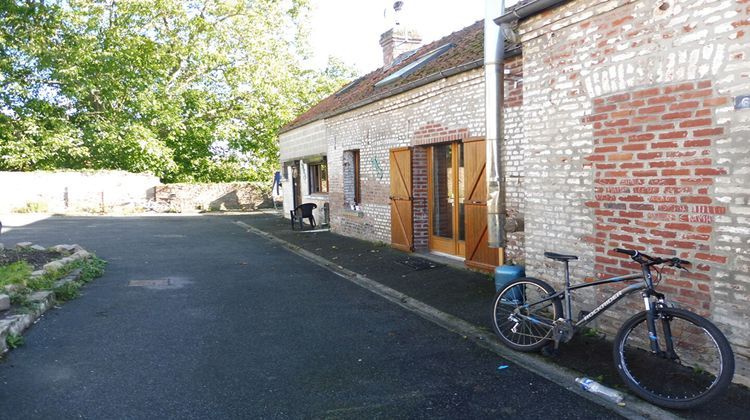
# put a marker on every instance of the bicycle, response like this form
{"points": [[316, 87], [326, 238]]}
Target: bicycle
{"points": [[668, 356]]}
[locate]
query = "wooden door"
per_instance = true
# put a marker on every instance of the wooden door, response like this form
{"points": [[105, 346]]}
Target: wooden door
{"points": [[401, 200], [445, 191], [478, 254]]}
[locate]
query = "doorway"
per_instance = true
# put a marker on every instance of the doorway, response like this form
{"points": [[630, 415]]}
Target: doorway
{"points": [[296, 189], [445, 189]]}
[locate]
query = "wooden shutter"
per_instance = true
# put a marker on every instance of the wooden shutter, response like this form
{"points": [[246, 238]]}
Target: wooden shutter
{"points": [[401, 200], [478, 254]]}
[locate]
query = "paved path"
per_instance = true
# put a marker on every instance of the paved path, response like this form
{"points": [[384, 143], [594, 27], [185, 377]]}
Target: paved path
{"points": [[244, 329]]}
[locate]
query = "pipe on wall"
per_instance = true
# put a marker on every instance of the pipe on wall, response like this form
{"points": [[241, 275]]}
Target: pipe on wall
{"points": [[495, 30], [494, 55]]}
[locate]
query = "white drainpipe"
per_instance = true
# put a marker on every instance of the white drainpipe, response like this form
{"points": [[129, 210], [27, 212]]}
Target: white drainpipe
{"points": [[494, 54]]}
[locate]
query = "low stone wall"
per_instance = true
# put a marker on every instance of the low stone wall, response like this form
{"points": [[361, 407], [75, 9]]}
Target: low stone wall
{"points": [[68, 191], [200, 197]]}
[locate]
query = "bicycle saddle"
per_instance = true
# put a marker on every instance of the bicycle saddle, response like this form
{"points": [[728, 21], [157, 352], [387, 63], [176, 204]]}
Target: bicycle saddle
{"points": [[560, 257]]}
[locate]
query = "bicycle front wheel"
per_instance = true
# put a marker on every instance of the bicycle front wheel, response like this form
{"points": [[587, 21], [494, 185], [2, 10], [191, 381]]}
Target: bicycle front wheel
{"points": [[520, 320], [694, 363]]}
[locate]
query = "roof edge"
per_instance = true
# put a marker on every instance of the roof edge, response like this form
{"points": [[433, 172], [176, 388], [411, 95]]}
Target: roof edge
{"points": [[522, 11], [462, 68]]}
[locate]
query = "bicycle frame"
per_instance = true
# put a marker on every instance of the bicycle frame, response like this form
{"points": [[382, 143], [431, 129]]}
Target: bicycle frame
{"points": [[565, 294]]}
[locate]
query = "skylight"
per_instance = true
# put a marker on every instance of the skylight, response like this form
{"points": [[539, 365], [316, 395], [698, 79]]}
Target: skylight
{"points": [[349, 87], [416, 64]]}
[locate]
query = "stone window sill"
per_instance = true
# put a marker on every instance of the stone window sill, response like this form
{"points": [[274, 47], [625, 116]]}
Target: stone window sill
{"points": [[353, 213]]}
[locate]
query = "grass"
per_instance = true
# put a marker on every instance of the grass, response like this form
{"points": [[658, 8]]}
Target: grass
{"points": [[20, 273], [16, 273]]}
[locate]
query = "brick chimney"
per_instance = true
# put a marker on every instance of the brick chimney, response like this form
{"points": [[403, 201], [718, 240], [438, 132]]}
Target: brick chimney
{"points": [[398, 39]]}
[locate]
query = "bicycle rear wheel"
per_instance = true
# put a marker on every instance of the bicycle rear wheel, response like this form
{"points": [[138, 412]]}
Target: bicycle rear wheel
{"points": [[519, 320], [699, 367]]}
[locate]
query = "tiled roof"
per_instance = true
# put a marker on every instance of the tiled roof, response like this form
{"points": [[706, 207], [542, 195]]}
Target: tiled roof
{"points": [[468, 51]]}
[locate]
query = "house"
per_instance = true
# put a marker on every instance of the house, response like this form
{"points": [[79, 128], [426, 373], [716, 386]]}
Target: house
{"points": [[624, 127]]}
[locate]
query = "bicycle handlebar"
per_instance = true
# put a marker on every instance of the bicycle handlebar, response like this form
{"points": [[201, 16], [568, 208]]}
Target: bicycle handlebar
{"points": [[638, 257], [630, 252]]}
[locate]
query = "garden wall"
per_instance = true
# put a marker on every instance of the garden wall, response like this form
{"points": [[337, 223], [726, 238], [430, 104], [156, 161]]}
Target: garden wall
{"points": [[226, 196], [64, 192], [121, 192]]}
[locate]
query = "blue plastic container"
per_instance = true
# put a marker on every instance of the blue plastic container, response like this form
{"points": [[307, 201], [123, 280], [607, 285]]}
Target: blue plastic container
{"points": [[505, 274]]}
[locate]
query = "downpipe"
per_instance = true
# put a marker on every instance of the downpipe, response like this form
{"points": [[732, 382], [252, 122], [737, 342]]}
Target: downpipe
{"points": [[494, 55]]}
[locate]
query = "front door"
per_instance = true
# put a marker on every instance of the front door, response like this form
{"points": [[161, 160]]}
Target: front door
{"points": [[446, 198], [478, 253], [401, 200]]}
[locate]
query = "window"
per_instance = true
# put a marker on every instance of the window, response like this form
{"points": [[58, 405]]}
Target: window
{"points": [[352, 181], [357, 186], [414, 65], [318, 177]]}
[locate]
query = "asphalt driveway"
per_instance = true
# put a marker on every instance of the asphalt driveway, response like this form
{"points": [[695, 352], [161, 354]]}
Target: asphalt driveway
{"points": [[196, 318]]}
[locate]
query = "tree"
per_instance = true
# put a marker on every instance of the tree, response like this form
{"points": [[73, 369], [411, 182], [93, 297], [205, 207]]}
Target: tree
{"points": [[189, 90]]}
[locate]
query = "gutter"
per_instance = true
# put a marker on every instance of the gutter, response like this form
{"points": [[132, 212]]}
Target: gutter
{"points": [[526, 10]]}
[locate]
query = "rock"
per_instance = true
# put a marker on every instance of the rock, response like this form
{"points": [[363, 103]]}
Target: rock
{"points": [[54, 265], [24, 244], [37, 273], [38, 248], [40, 296], [64, 248], [13, 288], [4, 302], [80, 255]]}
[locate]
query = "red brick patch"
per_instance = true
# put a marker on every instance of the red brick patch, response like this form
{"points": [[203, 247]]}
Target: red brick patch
{"points": [[659, 180]]}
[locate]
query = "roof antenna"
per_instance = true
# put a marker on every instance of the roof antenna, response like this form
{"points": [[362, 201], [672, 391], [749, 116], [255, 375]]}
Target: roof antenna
{"points": [[397, 6]]}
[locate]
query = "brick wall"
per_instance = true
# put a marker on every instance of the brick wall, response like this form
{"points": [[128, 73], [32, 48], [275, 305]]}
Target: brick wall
{"points": [[447, 110], [456, 103], [632, 140], [653, 169]]}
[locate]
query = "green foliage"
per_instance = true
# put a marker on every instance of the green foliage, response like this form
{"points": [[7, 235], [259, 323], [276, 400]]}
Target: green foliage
{"points": [[33, 207], [14, 341], [67, 291], [20, 298], [15, 273], [592, 333], [43, 282], [190, 91], [91, 268]]}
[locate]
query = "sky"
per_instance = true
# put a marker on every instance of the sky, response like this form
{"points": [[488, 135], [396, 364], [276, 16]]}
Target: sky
{"points": [[350, 29]]}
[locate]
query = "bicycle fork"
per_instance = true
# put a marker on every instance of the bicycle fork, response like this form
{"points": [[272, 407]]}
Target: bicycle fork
{"points": [[653, 336]]}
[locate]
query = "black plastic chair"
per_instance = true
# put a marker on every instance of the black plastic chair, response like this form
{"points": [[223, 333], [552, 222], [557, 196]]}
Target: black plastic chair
{"points": [[301, 212]]}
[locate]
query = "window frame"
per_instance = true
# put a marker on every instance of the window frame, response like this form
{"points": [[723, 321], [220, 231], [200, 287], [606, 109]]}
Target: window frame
{"points": [[357, 179], [317, 177]]}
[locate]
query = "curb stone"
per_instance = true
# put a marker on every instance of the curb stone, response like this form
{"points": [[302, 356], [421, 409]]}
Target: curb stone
{"points": [[635, 408], [41, 300]]}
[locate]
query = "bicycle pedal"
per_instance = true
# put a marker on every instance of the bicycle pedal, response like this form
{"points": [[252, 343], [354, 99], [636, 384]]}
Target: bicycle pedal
{"points": [[582, 314]]}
